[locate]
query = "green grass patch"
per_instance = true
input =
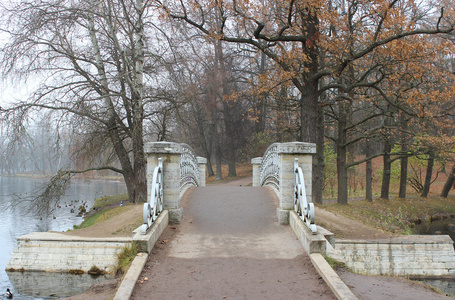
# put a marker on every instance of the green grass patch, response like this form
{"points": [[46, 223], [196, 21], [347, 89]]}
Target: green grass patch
{"points": [[102, 202], [101, 216], [396, 215], [125, 258], [335, 264]]}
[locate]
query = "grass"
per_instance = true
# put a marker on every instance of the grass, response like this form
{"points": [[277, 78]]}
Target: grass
{"points": [[125, 258], [104, 208], [335, 264], [102, 202], [396, 215], [101, 216]]}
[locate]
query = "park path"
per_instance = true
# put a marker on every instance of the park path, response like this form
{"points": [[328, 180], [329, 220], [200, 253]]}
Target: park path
{"points": [[230, 246]]}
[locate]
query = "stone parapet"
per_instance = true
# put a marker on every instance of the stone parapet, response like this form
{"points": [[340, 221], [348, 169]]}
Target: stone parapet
{"points": [[312, 243], [256, 162], [202, 170], [163, 148], [296, 148], [56, 252], [276, 169], [172, 190], [413, 255], [288, 152], [145, 242]]}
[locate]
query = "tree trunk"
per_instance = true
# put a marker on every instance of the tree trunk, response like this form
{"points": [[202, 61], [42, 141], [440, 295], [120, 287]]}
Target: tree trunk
{"points": [[449, 183], [403, 160], [224, 76], [140, 162], [136, 186], [203, 136], [309, 105], [219, 174], [230, 135], [318, 159], [342, 173], [369, 173], [428, 176], [403, 174], [385, 188]]}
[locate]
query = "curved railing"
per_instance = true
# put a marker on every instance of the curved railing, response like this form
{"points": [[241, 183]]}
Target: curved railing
{"points": [[302, 206], [154, 205], [189, 168], [270, 167]]}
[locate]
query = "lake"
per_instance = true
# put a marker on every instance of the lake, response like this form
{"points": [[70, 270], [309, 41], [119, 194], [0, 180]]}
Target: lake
{"points": [[18, 220]]}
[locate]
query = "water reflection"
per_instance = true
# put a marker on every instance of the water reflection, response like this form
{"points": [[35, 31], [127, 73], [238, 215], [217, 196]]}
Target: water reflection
{"points": [[446, 227], [17, 220], [50, 285]]}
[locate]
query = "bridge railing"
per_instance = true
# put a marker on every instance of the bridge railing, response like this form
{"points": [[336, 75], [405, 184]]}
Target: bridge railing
{"points": [[270, 168], [303, 206], [290, 180], [154, 205], [181, 169], [189, 168]]}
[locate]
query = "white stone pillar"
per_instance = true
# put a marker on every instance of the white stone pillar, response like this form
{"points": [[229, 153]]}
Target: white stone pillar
{"points": [[202, 170], [256, 162], [170, 152], [287, 153]]}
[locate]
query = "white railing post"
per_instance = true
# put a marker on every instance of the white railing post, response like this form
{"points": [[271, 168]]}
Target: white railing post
{"points": [[154, 205], [303, 206]]}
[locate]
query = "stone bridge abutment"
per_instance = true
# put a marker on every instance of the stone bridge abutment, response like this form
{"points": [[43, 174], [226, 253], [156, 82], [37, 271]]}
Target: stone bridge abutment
{"points": [[276, 169], [181, 170]]}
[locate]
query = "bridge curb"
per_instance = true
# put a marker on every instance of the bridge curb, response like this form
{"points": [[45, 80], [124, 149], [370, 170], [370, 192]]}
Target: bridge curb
{"points": [[147, 241], [128, 283], [338, 287], [314, 245], [145, 246]]}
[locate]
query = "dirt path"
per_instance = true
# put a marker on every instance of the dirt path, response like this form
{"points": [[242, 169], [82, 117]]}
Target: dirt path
{"points": [[120, 225], [345, 228]]}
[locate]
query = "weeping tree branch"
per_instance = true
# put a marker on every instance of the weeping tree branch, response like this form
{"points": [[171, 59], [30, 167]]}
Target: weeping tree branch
{"points": [[49, 195]]}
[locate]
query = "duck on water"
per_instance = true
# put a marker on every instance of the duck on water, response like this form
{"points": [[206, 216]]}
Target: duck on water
{"points": [[8, 294]]}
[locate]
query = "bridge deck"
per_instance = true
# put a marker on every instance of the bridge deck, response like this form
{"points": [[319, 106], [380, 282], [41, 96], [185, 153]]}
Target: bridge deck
{"points": [[229, 245]]}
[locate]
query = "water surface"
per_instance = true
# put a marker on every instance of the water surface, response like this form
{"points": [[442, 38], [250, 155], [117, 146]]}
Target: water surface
{"points": [[447, 227], [17, 220]]}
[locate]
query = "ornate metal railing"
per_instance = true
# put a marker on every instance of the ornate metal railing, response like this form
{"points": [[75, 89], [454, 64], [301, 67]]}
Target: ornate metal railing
{"points": [[270, 167], [154, 205], [303, 206], [189, 168]]}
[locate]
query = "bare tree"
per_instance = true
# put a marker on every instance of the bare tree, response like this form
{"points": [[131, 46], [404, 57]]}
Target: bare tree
{"points": [[89, 59]]}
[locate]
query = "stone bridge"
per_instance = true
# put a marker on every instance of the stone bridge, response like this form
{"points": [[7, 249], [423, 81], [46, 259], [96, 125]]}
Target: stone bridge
{"points": [[237, 227]]}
